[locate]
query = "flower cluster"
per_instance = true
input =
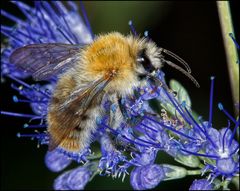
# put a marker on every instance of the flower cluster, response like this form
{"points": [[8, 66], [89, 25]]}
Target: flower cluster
{"points": [[135, 144]]}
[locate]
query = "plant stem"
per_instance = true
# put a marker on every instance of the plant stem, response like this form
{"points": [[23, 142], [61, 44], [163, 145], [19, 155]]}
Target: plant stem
{"points": [[235, 181], [230, 49], [96, 156], [194, 172], [225, 185]]}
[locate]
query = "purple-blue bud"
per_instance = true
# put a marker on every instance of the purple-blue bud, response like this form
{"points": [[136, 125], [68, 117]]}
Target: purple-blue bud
{"points": [[146, 177], [226, 166], [75, 179], [60, 182], [56, 161], [78, 178], [201, 184]]}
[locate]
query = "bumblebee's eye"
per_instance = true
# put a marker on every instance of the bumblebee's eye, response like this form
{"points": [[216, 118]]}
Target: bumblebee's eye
{"points": [[145, 62]]}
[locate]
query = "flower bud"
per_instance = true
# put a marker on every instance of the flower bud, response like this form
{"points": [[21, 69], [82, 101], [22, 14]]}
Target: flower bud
{"points": [[174, 172], [56, 161], [78, 178], [75, 179], [191, 160], [146, 177], [201, 184]]}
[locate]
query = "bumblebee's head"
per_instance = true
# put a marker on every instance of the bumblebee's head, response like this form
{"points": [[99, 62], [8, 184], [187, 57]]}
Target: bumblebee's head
{"points": [[147, 56]]}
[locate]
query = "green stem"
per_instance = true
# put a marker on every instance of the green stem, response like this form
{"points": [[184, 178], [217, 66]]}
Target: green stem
{"points": [[96, 156], [235, 181], [230, 48], [225, 185], [93, 175], [201, 166], [194, 172]]}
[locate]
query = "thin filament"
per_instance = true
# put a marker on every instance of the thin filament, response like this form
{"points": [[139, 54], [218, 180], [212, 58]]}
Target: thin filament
{"points": [[183, 71], [184, 63]]}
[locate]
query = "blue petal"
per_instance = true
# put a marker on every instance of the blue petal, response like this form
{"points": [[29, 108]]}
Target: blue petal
{"points": [[201, 184], [60, 182], [78, 178], [151, 176], [134, 179], [56, 161], [226, 166], [146, 177]]}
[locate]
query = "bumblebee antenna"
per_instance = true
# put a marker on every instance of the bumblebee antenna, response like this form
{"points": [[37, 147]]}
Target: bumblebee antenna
{"points": [[183, 71], [184, 63]]}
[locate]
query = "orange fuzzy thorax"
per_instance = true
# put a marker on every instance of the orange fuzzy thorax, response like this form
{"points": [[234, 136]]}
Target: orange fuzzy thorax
{"points": [[112, 53]]}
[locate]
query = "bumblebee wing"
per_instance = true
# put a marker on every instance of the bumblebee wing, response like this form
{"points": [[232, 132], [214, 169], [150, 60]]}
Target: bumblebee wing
{"points": [[83, 96], [45, 60], [73, 110]]}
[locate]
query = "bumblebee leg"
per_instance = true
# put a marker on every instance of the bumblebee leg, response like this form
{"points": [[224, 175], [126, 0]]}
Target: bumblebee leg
{"points": [[115, 115]]}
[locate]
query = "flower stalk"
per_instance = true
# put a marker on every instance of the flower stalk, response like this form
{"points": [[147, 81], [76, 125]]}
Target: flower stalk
{"points": [[230, 48], [194, 172]]}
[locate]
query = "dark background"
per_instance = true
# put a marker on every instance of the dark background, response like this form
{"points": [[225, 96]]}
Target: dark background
{"points": [[189, 29]]}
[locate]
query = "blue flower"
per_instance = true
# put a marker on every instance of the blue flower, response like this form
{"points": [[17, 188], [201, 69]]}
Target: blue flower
{"points": [[75, 179], [225, 149], [78, 178], [44, 24], [201, 184], [80, 157], [60, 182], [146, 177], [145, 157], [56, 161], [111, 157]]}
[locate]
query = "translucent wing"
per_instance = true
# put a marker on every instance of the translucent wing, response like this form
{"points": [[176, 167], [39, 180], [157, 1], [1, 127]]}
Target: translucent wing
{"points": [[45, 60], [85, 93], [73, 110]]}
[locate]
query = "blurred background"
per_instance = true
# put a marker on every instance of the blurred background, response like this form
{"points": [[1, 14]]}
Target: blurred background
{"points": [[189, 29]]}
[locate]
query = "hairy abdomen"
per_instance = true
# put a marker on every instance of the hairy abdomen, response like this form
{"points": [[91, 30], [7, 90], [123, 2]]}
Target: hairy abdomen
{"points": [[79, 135]]}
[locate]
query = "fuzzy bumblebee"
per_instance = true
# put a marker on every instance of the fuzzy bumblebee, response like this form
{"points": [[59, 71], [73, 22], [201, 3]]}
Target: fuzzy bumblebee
{"points": [[111, 66]]}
